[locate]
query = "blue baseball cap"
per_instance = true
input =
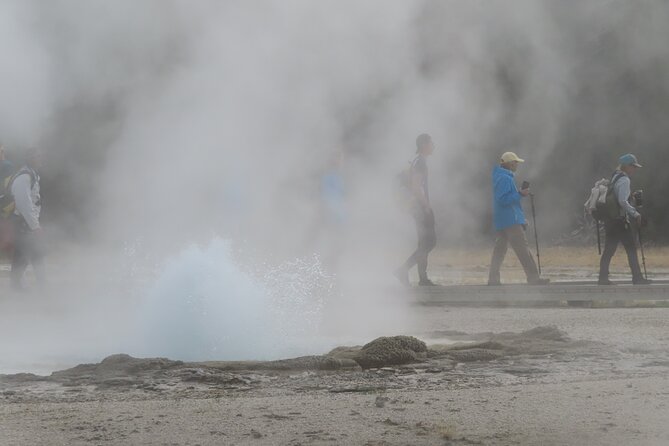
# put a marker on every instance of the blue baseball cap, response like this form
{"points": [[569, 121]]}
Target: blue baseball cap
{"points": [[629, 160]]}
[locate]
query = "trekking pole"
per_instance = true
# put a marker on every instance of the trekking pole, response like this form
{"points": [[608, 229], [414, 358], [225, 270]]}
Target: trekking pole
{"points": [[536, 236], [643, 255]]}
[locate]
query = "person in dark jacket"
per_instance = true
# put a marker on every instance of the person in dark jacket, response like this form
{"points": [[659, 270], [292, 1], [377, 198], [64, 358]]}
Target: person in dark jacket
{"points": [[510, 222], [6, 227], [620, 229], [421, 210]]}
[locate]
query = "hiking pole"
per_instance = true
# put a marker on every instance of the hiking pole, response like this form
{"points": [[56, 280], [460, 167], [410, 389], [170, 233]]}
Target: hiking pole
{"points": [[643, 255], [536, 236], [638, 203]]}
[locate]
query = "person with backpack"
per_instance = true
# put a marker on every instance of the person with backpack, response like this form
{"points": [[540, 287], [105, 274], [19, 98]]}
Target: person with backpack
{"points": [[6, 203], [510, 221], [620, 217], [28, 245], [421, 210]]}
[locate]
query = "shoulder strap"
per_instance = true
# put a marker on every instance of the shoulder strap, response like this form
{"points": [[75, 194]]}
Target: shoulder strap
{"points": [[614, 180], [616, 177]]}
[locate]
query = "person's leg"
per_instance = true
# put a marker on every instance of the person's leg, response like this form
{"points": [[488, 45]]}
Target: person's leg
{"points": [[402, 273], [518, 241], [498, 254], [431, 236], [426, 242], [627, 239], [19, 261], [6, 235], [36, 257], [413, 258], [611, 239]]}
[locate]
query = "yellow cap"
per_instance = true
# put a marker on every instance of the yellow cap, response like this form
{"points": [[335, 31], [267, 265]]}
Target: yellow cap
{"points": [[510, 156]]}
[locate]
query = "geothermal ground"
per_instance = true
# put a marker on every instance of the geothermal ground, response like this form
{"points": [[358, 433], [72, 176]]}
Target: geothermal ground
{"points": [[482, 376], [603, 378]]}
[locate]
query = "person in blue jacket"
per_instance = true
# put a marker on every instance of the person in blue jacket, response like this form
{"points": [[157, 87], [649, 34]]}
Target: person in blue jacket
{"points": [[510, 221]]}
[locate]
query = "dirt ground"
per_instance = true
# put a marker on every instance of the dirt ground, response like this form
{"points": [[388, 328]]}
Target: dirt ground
{"points": [[612, 412], [598, 377]]}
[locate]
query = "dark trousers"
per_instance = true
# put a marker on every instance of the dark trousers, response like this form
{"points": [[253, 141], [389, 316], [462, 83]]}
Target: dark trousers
{"points": [[514, 236], [28, 250], [427, 240], [619, 231]]}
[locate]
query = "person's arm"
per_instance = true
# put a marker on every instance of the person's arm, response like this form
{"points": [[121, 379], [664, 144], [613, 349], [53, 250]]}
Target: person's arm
{"points": [[506, 193], [21, 191], [622, 190]]}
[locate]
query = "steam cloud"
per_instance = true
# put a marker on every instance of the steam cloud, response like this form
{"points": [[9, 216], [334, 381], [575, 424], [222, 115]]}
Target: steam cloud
{"points": [[173, 121]]}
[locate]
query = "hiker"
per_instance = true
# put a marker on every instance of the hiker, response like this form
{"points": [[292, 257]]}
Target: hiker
{"points": [[28, 249], [422, 213], [6, 230], [510, 222], [620, 227], [330, 225], [333, 191]]}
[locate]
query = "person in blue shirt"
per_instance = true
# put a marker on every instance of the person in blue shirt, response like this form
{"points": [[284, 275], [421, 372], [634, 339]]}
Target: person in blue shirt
{"points": [[333, 192], [510, 222]]}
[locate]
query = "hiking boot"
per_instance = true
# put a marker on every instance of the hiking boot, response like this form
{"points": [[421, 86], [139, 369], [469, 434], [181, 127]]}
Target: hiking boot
{"points": [[642, 281], [539, 281], [605, 282], [426, 282], [403, 276]]}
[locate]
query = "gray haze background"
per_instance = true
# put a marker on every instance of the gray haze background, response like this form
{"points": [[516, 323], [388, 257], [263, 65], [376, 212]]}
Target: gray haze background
{"points": [[172, 120]]}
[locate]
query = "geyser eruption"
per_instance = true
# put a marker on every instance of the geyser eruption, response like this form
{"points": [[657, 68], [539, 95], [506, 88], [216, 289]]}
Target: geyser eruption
{"points": [[204, 306]]}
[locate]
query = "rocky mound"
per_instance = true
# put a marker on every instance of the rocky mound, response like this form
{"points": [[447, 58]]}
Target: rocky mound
{"points": [[395, 350], [118, 365]]}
